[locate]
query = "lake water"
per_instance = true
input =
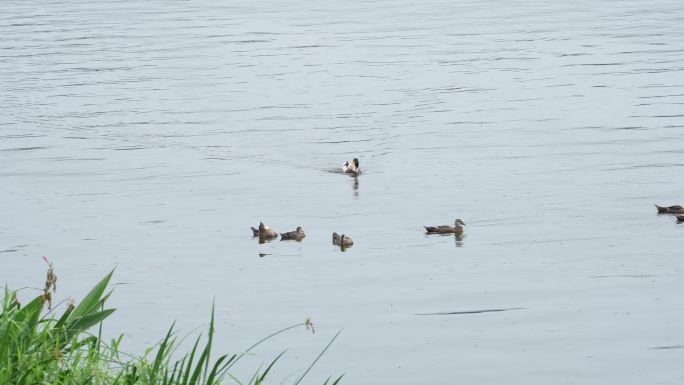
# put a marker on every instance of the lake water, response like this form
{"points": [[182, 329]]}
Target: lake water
{"points": [[149, 136]]}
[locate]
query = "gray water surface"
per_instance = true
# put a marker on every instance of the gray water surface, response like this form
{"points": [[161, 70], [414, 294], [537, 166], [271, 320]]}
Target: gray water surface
{"points": [[149, 136]]}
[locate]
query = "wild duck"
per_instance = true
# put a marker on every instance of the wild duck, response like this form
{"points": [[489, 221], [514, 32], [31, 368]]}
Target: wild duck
{"points": [[341, 240], [264, 231], [676, 209], [296, 235], [446, 229], [352, 167]]}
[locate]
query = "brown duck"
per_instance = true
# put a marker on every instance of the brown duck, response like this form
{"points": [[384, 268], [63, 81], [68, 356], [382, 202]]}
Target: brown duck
{"points": [[296, 235], [341, 240], [676, 209], [264, 231], [446, 229]]}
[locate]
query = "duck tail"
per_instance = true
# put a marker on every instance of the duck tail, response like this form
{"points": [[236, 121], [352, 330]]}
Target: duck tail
{"points": [[255, 232], [661, 209]]}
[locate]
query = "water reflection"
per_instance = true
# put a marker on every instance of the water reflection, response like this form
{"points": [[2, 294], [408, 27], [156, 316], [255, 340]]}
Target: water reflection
{"points": [[354, 176], [265, 239], [458, 240]]}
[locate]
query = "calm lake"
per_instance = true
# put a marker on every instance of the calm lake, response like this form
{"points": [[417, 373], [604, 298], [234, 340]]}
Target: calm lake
{"points": [[149, 136]]}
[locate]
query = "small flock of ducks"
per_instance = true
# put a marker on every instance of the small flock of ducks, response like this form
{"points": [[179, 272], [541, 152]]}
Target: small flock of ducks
{"points": [[676, 209], [267, 234]]}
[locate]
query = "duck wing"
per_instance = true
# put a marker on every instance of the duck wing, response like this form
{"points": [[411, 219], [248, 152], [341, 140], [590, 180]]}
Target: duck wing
{"points": [[438, 229], [668, 209]]}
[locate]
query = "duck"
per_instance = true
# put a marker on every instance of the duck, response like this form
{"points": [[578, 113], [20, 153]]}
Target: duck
{"points": [[341, 240], [296, 235], [676, 209], [446, 229], [351, 167], [264, 231], [680, 218]]}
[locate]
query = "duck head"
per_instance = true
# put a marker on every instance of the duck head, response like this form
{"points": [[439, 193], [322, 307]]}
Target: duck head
{"points": [[459, 222]]}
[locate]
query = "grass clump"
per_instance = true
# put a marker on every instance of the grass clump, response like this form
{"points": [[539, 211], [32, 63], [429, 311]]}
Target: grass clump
{"points": [[39, 347]]}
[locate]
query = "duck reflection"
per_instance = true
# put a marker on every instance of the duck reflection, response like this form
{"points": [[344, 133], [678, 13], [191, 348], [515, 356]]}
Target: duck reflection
{"points": [[458, 239]]}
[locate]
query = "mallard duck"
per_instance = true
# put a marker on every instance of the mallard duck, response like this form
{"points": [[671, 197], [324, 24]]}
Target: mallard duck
{"points": [[446, 229], [264, 231], [352, 167], [296, 235], [680, 218], [676, 209], [341, 240]]}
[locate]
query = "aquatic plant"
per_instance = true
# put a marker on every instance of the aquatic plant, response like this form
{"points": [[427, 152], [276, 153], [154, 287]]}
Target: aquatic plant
{"points": [[38, 347]]}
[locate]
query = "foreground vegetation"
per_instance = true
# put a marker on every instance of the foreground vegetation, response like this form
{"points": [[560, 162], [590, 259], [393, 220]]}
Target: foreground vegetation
{"points": [[39, 347]]}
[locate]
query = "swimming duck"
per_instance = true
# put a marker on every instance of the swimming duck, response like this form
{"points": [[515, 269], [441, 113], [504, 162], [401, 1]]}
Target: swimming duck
{"points": [[264, 231], [352, 167], [296, 235], [341, 240], [446, 229], [676, 209]]}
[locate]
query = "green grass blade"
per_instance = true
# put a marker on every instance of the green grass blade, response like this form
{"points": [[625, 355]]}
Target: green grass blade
{"points": [[268, 337], [200, 365], [214, 375], [161, 353], [92, 299], [84, 323], [186, 377], [30, 311], [62, 320], [268, 369], [317, 358]]}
